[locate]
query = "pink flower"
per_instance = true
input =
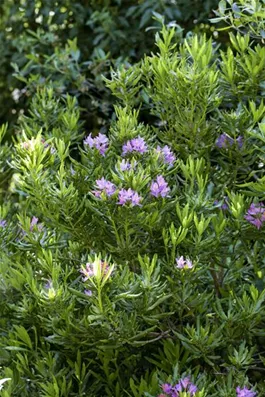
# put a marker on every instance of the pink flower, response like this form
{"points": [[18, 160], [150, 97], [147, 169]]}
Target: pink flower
{"points": [[125, 165], [245, 392], [184, 264], [166, 154], [100, 143], [89, 141], [256, 215], [87, 271], [104, 186], [167, 388], [134, 145], [186, 385], [34, 222], [129, 196], [3, 223], [159, 187], [92, 269]]}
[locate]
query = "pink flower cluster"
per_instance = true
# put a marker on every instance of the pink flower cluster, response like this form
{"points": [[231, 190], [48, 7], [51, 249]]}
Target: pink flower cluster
{"points": [[104, 186], [126, 196], [184, 385], [129, 196], [245, 392], [134, 145], [159, 187]]}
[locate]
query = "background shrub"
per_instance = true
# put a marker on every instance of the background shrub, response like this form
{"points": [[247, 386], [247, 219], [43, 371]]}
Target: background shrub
{"points": [[70, 44]]}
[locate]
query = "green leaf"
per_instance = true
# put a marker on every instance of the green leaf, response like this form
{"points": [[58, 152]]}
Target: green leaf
{"points": [[23, 335], [222, 6]]}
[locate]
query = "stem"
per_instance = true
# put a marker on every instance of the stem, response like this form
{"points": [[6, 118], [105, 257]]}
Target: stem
{"points": [[114, 228], [100, 300], [126, 230], [173, 253], [216, 283]]}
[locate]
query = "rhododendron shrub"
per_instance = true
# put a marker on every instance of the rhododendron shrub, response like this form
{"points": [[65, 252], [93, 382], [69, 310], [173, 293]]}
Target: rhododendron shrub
{"points": [[133, 260]]}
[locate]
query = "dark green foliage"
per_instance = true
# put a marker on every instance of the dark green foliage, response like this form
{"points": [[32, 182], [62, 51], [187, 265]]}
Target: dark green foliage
{"points": [[70, 44]]}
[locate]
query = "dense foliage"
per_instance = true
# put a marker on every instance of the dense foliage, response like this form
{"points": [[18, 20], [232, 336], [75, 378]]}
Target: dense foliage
{"points": [[132, 257], [70, 44]]}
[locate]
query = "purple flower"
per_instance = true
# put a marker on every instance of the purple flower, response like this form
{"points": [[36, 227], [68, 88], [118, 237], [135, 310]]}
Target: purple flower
{"points": [[180, 262], [127, 148], [87, 271], [97, 193], [224, 141], [124, 196], [223, 206], [167, 388], [186, 385], [48, 284], [178, 387], [139, 145], [159, 187], [89, 141], [96, 268], [256, 215], [104, 186], [134, 145], [136, 199], [125, 165], [185, 382], [88, 292], [192, 389], [245, 392], [3, 223], [100, 143], [240, 141], [129, 196], [34, 222], [167, 155], [184, 264]]}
